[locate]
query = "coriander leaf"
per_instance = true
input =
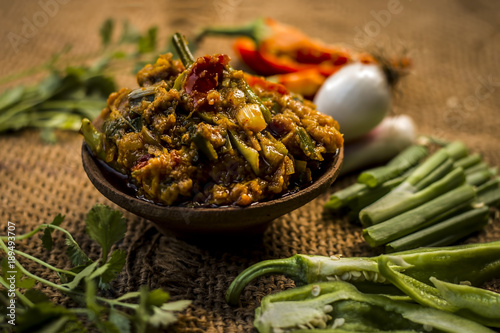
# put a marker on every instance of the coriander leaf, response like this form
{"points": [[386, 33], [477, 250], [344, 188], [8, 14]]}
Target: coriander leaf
{"points": [[47, 234], [49, 86], [147, 43], [36, 296], [108, 271], [129, 33], [161, 317], [44, 317], [75, 253], [176, 306], [164, 315], [114, 266], [157, 297], [90, 299], [83, 274], [106, 32], [48, 136], [106, 226], [101, 87], [10, 274], [11, 96], [121, 322], [66, 278], [26, 283]]}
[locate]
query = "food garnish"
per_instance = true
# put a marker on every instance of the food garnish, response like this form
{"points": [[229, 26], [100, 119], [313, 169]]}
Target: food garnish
{"points": [[85, 282]]}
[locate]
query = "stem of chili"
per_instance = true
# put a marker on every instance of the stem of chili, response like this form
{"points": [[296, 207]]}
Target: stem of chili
{"points": [[180, 44]]}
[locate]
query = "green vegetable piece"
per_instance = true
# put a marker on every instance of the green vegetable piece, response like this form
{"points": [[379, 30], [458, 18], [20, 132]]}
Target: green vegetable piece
{"points": [[11, 96], [181, 46], [307, 145], [370, 195], [106, 32], [280, 147], [483, 303], [436, 175], [270, 150], [480, 177], [93, 138], [464, 300], [205, 146], [456, 150], [483, 166], [420, 217], [476, 263], [147, 43], [417, 290], [490, 197], [250, 154], [399, 164], [253, 98], [468, 161], [340, 306], [106, 226], [375, 214], [445, 232], [47, 234], [257, 30], [489, 185]]}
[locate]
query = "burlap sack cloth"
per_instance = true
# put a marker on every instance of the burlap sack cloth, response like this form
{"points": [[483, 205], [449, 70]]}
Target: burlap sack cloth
{"points": [[453, 92]]}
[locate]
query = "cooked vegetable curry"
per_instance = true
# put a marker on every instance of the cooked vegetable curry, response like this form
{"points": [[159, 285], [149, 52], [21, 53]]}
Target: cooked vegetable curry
{"points": [[206, 134]]}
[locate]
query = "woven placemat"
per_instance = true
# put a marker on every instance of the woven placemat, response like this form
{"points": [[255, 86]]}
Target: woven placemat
{"points": [[453, 92]]}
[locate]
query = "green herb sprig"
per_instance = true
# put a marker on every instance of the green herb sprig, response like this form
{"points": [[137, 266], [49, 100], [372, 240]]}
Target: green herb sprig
{"points": [[71, 89], [138, 311]]}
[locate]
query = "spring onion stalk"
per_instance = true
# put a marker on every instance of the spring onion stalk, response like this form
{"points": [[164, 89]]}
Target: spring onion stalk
{"points": [[435, 175], [480, 177], [476, 168], [420, 217], [445, 232], [402, 162], [468, 161], [489, 198], [489, 185], [377, 213], [405, 190], [340, 198], [408, 158], [370, 195]]}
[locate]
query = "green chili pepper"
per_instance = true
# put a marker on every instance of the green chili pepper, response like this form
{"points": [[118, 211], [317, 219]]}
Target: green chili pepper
{"points": [[182, 49], [205, 146], [476, 263], [307, 145], [93, 138], [469, 302], [481, 302], [250, 154], [341, 307]]}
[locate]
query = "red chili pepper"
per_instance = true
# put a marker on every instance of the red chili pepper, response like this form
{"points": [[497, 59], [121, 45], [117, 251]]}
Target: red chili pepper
{"points": [[270, 47]]}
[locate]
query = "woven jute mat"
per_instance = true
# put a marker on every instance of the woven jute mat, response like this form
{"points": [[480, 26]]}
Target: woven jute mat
{"points": [[453, 92]]}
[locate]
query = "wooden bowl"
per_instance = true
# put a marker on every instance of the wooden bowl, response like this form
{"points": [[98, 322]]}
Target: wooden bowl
{"points": [[200, 221]]}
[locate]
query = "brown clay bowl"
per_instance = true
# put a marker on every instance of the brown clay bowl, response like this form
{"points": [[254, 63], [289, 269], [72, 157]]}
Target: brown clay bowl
{"points": [[222, 220]]}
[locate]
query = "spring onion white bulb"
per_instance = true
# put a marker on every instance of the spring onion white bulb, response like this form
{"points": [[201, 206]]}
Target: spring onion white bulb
{"points": [[357, 96], [384, 142]]}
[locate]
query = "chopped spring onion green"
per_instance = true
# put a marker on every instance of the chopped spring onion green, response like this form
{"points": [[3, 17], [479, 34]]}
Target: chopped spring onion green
{"points": [[420, 217]]}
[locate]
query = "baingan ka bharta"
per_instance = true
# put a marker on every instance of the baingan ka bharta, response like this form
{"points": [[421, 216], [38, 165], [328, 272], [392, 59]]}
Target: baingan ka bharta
{"points": [[199, 133]]}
